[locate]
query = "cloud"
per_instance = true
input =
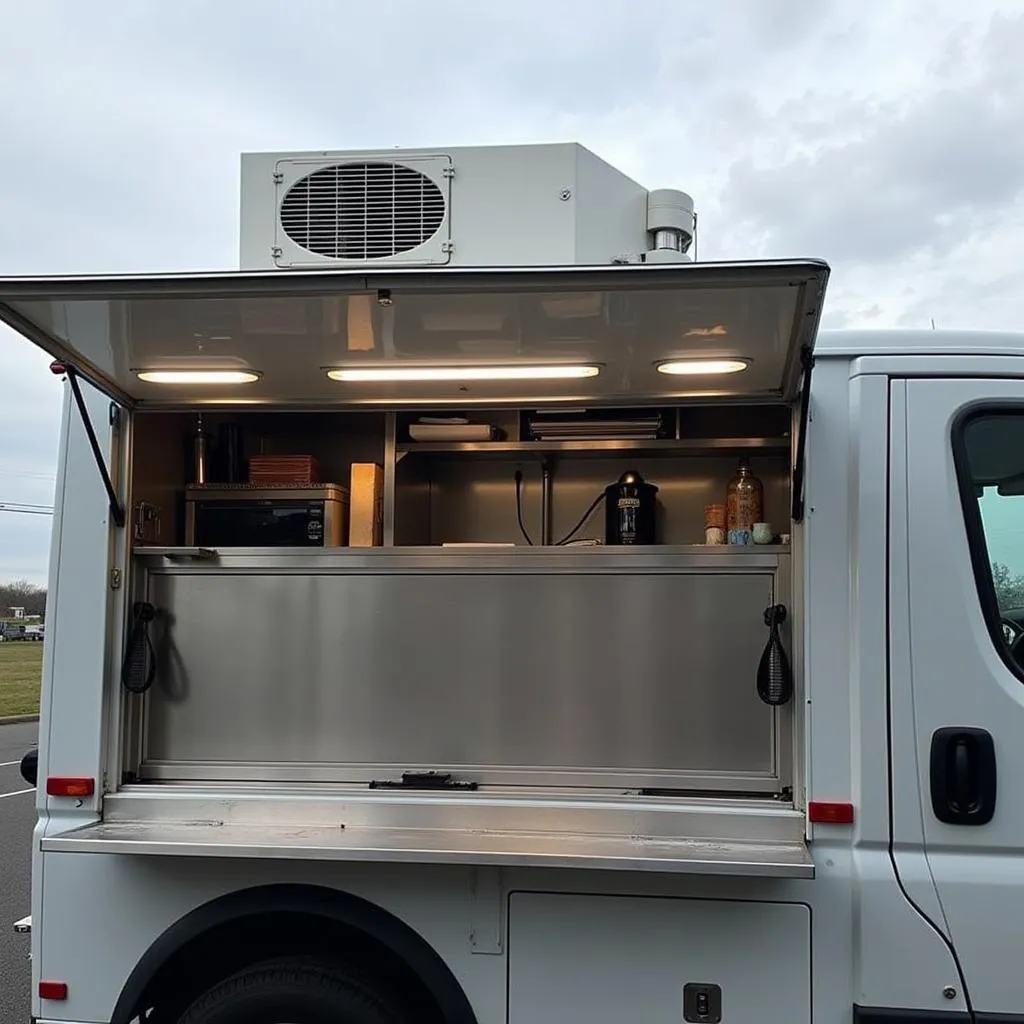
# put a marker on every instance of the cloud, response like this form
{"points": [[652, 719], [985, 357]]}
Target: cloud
{"points": [[916, 177], [888, 145]]}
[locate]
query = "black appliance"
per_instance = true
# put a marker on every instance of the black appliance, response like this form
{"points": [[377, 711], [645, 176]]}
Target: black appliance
{"points": [[629, 511], [243, 516]]}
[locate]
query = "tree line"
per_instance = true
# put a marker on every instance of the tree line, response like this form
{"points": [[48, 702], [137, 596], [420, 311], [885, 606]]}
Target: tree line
{"points": [[22, 594]]}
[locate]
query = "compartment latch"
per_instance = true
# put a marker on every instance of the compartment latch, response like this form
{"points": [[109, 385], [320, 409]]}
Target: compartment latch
{"points": [[702, 1003], [423, 780]]}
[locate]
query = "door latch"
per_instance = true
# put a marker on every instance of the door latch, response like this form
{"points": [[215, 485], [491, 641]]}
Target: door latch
{"points": [[702, 1004], [963, 776]]}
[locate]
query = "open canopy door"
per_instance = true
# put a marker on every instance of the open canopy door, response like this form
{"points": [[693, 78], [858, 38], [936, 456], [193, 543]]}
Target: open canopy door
{"points": [[431, 337]]}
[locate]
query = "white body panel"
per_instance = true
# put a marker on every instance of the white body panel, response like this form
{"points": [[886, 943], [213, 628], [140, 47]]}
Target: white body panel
{"points": [[894, 645]]}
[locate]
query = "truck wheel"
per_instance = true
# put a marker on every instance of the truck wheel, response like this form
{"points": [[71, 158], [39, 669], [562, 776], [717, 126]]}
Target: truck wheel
{"points": [[293, 991]]}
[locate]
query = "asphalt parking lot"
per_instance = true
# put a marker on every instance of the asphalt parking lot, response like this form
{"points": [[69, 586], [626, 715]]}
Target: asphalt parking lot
{"points": [[17, 819]]}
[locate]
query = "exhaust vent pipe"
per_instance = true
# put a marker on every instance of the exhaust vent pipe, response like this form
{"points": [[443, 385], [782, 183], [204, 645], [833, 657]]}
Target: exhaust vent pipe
{"points": [[670, 225]]}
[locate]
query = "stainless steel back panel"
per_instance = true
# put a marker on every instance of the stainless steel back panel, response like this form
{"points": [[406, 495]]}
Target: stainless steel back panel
{"points": [[587, 670]]}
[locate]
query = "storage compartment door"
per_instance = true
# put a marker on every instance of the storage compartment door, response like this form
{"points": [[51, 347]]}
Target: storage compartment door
{"points": [[593, 676], [615, 959], [555, 334]]}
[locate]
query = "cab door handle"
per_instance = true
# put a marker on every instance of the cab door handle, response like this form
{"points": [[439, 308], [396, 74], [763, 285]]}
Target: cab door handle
{"points": [[963, 776]]}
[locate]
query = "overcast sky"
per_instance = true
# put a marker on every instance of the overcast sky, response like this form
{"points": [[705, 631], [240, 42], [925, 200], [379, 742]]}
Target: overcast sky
{"points": [[889, 144]]}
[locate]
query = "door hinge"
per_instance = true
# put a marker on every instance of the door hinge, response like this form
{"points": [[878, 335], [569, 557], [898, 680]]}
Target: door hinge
{"points": [[115, 579], [448, 247], [275, 251], [449, 172], [278, 177]]}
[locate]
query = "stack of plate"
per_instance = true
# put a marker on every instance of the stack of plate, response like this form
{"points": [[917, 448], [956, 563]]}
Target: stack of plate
{"points": [[450, 429]]}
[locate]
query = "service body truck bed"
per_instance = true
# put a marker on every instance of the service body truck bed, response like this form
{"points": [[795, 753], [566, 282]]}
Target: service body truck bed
{"points": [[532, 783]]}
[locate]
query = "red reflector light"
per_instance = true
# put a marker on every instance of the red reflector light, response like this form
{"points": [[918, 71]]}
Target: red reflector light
{"points": [[828, 812], [58, 785], [53, 990], [57, 368]]}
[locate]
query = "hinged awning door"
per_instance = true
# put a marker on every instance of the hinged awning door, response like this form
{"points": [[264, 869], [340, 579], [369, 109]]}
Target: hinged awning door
{"points": [[492, 336]]}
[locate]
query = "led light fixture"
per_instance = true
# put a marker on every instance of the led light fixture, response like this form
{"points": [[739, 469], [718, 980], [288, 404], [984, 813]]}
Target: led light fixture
{"points": [[198, 376], [389, 374], [701, 367]]}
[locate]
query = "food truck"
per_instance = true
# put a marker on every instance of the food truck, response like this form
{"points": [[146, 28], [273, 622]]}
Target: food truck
{"points": [[474, 609]]}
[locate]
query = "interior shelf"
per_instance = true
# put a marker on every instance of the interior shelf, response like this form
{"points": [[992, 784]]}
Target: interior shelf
{"points": [[669, 446], [531, 480]]}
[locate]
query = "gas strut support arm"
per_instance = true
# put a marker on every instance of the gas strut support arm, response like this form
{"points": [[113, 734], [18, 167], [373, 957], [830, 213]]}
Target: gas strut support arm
{"points": [[117, 512], [799, 467]]}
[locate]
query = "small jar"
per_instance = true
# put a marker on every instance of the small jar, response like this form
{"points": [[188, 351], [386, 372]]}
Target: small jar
{"points": [[714, 516], [714, 535]]}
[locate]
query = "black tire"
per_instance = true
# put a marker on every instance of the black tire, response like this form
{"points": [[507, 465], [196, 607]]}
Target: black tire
{"points": [[294, 991]]}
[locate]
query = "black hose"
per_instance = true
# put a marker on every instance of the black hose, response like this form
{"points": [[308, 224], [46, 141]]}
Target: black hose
{"points": [[519, 506], [586, 515], [139, 667], [774, 675]]}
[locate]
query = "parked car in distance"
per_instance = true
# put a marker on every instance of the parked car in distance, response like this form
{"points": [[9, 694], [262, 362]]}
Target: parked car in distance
{"points": [[11, 631]]}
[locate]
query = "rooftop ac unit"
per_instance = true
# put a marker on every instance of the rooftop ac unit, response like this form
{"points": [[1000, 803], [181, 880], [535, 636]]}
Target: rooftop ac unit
{"points": [[476, 206]]}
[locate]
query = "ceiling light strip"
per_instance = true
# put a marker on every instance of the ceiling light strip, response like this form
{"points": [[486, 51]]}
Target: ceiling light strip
{"points": [[198, 376], [702, 367], [427, 374]]}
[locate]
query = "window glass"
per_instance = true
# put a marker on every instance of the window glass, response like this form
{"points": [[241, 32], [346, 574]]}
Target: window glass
{"points": [[991, 468]]}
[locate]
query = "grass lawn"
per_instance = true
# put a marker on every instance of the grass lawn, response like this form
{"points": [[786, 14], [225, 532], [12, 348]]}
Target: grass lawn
{"points": [[21, 666]]}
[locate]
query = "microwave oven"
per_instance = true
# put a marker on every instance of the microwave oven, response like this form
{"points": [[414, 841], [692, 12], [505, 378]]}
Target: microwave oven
{"points": [[261, 516]]}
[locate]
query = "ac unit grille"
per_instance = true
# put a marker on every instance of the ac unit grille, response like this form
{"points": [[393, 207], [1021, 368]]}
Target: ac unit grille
{"points": [[362, 211]]}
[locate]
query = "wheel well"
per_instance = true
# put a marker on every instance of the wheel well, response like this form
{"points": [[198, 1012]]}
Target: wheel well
{"points": [[228, 934]]}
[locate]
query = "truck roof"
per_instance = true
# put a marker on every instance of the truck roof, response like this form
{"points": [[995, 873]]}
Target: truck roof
{"points": [[898, 341]]}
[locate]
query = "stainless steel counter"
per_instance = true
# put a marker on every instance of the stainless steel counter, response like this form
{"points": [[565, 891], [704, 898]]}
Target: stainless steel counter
{"points": [[749, 838], [567, 558]]}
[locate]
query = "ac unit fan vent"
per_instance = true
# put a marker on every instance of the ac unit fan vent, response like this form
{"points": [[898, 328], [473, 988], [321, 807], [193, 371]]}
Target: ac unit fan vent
{"points": [[362, 211]]}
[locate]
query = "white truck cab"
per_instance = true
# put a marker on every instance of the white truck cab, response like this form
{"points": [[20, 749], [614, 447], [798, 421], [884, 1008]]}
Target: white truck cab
{"points": [[461, 746]]}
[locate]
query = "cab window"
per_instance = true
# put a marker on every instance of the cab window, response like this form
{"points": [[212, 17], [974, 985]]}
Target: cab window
{"points": [[989, 450]]}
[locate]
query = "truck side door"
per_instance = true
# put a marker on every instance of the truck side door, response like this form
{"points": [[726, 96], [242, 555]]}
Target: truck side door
{"points": [[956, 561]]}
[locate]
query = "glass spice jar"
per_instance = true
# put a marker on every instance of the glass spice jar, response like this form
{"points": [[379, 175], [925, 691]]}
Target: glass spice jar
{"points": [[714, 523], [744, 499]]}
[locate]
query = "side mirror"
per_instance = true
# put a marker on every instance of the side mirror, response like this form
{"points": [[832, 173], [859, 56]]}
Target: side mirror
{"points": [[30, 767]]}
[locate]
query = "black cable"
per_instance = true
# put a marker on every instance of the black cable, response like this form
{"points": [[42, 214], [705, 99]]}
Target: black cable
{"points": [[774, 675], [139, 667], [519, 506], [586, 515]]}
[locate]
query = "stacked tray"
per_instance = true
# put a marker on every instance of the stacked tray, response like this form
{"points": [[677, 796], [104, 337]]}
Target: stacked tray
{"points": [[626, 429], [283, 469]]}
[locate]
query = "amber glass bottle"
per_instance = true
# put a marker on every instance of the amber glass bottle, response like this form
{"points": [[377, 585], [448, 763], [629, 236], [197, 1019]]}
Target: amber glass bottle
{"points": [[744, 499]]}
